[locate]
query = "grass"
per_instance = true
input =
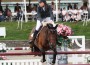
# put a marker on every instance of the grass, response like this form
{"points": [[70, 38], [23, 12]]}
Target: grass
{"points": [[12, 33], [16, 34]]}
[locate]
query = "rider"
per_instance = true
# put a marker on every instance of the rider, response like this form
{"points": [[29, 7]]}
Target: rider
{"points": [[44, 13]]}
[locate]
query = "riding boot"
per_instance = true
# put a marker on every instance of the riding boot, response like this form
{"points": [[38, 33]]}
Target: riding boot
{"points": [[34, 36]]}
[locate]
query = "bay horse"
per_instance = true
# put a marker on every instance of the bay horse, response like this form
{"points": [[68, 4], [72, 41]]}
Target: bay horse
{"points": [[46, 40]]}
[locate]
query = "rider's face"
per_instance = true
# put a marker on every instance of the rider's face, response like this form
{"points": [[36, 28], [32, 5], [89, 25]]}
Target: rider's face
{"points": [[41, 4]]}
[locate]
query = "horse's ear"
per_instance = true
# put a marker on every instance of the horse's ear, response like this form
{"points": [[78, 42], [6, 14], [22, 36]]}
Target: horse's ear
{"points": [[56, 26]]}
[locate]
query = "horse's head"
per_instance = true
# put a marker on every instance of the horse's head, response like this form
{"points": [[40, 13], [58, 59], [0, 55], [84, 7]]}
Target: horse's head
{"points": [[52, 34]]}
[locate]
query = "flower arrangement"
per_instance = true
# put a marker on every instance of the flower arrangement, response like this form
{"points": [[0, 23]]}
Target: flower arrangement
{"points": [[63, 31]]}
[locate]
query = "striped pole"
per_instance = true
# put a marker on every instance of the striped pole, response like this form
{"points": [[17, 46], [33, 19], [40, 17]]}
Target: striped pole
{"points": [[15, 48]]}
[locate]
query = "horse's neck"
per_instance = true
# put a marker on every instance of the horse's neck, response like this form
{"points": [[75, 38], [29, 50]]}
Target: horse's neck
{"points": [[42, 35], [44, 29]]}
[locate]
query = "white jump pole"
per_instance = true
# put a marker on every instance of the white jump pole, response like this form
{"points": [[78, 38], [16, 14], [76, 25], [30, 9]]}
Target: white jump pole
{"points": [[56, 10]]}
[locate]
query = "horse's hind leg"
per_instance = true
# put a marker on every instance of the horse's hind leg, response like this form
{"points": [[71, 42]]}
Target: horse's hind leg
{"points": [[54, 56]]}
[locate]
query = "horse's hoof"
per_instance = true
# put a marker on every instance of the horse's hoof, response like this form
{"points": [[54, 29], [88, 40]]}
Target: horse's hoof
{"points": [[43, 61], [52, 63]]}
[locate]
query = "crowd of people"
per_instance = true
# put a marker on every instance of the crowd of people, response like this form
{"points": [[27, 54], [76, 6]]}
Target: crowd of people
{"points": [[72, 14], [69, 14], [6, 14]]}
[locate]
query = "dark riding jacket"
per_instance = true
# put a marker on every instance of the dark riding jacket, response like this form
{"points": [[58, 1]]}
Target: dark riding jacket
{"points": [[44, 12]]}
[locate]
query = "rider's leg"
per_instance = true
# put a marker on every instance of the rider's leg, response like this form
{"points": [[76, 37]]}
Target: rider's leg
{"points": [[36, 31]]}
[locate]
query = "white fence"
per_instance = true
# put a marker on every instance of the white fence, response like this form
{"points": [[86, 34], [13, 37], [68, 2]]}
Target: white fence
{"points": [[71, 59], [21, 62], [78, 41], [3, 31]]}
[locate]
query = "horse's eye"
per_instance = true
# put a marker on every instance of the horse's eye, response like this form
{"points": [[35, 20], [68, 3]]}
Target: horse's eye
{"points": [[52, 31]]}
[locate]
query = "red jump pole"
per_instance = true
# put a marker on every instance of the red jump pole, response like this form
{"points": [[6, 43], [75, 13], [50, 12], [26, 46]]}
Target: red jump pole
{"points": [[38, 53]]}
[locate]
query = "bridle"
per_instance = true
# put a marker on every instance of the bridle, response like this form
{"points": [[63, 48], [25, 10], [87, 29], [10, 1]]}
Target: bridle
{"points": [[51, 39]]}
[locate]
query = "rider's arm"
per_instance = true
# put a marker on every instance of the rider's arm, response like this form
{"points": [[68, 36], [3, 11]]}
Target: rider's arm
{"points": [[38, 14]]}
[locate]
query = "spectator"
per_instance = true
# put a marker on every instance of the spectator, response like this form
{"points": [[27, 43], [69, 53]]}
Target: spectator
{"points": [[69, 6], [85, 6], [64, 13], [7, 12], [29, 8], [19, 14], [67, 17], [1, 16], [78, 17], [35, 7], [73, 18], [70, 12], [34, 13], [1, 9], [17, 7], [81, 13], [74, 11], [75, 6], [33, 10], [52, 5]]}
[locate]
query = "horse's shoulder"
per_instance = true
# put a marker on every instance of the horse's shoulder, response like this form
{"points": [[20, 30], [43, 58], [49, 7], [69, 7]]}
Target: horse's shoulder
{"points": [[43, 29]]}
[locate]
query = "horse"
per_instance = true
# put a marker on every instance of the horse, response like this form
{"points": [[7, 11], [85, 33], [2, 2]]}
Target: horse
{"points": [[46, 40]]}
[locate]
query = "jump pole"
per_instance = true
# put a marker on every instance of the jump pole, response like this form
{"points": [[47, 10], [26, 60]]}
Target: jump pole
{"points": [[39, 53]]}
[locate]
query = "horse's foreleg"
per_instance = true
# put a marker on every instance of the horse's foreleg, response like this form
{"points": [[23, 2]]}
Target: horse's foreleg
{"points": [[54, 56], [31, 46], [43, 54]]}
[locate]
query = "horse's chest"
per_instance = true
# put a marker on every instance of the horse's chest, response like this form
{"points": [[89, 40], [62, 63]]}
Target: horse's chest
{"points": [[46, 46]]}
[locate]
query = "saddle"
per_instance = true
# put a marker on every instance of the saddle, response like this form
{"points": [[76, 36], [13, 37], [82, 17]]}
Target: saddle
{"points": [[43, 25]]}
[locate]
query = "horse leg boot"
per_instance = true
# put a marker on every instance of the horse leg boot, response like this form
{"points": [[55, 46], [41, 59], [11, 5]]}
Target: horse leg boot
{"points": [[31, 42], [54, 56], [43, 55]]}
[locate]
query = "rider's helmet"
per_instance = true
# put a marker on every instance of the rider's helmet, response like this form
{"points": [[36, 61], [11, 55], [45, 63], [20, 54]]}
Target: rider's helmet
{"points": [[44, 1]]}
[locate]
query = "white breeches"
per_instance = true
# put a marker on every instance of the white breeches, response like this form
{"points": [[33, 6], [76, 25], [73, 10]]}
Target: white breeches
{"points": [[39, 23]]}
